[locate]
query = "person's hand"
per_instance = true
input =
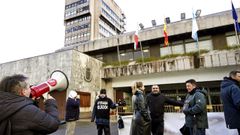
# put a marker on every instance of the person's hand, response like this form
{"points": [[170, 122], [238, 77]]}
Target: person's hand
{"points": [[186, 111], [77, 97], [92, 120], [34, 98], [47, 96], [116, 105], [147, 119]]}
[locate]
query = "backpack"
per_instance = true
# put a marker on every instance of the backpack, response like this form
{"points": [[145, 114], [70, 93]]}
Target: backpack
{"points": [[120, 123]]}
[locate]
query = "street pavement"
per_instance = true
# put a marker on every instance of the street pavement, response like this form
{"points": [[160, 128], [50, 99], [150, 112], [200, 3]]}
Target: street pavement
{"points": [[85, 127]]}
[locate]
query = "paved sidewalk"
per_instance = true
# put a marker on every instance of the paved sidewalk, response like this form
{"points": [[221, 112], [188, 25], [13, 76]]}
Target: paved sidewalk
{"points": [[85, 127]]}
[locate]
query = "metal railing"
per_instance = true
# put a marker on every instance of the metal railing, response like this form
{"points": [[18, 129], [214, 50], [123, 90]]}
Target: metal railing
{"points": [[171, 108]]}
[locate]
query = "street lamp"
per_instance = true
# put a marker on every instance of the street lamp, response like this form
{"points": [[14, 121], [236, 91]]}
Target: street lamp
{"points": [[154, 23], [141, 26]]}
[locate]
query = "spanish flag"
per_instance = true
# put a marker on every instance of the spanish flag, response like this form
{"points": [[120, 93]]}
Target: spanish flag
{"points": [[165, 34]]}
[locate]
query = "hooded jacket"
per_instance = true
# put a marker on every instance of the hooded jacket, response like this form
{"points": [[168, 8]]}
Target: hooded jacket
{"points": [[72, 109], [195, 109], [19, 116], [230, 95], [101, 110]]}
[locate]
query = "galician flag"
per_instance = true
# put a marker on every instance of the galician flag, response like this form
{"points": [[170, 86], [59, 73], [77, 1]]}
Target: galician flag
{"points": [[136, 40], [194, 27]]}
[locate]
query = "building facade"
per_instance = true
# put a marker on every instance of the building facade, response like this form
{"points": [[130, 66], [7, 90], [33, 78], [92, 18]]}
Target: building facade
{"points": [[169, 67], [87, 20], [216, 38]]}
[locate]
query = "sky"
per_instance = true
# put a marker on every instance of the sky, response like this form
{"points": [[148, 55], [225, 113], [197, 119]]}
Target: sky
{"points": [[30, 28]]}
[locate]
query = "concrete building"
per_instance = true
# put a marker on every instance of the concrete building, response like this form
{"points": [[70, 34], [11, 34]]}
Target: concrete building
{"points": [[169, 67], [87, 20], [216, 36]]}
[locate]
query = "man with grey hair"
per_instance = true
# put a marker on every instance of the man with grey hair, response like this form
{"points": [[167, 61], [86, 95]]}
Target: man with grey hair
{"points": [[230, 95]]}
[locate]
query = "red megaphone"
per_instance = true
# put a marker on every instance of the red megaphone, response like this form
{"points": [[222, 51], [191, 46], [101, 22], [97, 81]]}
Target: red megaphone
{"points": [[58, 81]]}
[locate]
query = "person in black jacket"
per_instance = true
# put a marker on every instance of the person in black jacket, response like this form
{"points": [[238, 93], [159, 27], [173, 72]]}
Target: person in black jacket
{"points": [[19, 115], [230, 95], [101, 112], [156, 101], [72, 111]]}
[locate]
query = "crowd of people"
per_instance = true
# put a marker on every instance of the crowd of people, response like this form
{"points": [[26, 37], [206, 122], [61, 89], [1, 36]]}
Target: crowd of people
{"points": [[20, 115]]}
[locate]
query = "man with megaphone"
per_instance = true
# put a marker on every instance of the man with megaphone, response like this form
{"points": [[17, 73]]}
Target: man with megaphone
{"points": [[18, 113]]}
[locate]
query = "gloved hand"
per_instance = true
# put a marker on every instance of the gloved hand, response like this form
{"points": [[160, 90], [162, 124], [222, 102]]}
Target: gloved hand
{"points": [[147, 118], [186, 111], [116, 105]]}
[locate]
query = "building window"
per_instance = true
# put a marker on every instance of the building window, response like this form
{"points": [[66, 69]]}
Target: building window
{"points": [[206, 45], [165, 51], [231, 41], [137, 55], [202, 45], [146, 53], [178, 49], [126, 55]]}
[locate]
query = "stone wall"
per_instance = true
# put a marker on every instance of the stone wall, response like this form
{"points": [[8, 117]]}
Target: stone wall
{"points": [[83, 72], [39, 68]]}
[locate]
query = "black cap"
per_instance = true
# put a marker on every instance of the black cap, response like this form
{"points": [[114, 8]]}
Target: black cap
{"points": [[103, 91]]}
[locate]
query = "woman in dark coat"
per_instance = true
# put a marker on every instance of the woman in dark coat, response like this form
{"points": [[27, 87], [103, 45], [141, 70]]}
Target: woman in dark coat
{"points": [[141, 122]]}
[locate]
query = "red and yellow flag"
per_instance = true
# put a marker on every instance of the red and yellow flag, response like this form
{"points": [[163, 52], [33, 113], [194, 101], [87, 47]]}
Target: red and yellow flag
{"points": [[165, 33]]}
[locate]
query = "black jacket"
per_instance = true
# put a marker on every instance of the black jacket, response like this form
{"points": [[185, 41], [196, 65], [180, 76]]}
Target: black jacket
{"points": [[101, 110], [230, 95], [156, 104], [24, 118], [72, 109]]}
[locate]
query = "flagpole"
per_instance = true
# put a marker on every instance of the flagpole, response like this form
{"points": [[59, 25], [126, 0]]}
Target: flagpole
{"points": [[118, 52], [119, 59], [141, 51], [198, 49], [236, 35]]}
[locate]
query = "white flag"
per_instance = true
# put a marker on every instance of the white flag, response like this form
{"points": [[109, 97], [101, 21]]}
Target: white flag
{"points": [[194, 28]]}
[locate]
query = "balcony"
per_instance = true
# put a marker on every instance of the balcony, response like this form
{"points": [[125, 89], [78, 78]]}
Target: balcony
{"points": [[220, 58], [172, 64], [207, 60]]}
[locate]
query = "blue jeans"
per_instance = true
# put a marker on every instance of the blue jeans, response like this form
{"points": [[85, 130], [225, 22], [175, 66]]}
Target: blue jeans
{"points": [[198, 131]]}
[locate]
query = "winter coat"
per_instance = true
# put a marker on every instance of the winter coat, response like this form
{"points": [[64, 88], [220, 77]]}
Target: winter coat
{"points": [[156, 102], [101, 110], [141, 122], [24, 118], [72, 109], [195, 109], [230, 95]]}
